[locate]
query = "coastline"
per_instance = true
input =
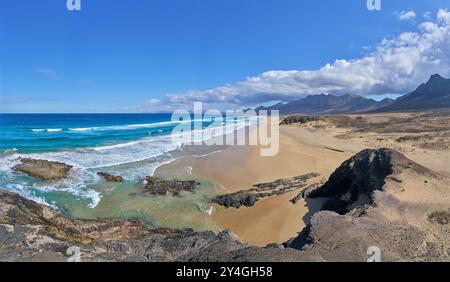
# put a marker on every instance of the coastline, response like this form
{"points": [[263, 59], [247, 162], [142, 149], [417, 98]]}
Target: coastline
{"points": [[317, 147], [235, 168]]}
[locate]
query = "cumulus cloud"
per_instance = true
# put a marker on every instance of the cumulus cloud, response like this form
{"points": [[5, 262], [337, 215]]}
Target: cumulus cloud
{"points": [[406, 15], [395, 66]]}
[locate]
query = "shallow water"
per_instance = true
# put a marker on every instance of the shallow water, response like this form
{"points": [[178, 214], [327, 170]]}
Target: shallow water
{"points": [[132, 146]]}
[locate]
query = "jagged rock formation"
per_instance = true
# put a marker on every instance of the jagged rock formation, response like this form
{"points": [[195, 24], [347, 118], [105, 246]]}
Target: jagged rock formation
{"points": [[298, 119], [357, 178], [42, 169], [155, 186], [379, 198], [110, 177], [250, 196]]}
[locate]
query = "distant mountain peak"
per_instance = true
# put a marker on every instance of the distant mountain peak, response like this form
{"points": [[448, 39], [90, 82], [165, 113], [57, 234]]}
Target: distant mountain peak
{"points": [[329, 104], [435, 77], [434, 94]]}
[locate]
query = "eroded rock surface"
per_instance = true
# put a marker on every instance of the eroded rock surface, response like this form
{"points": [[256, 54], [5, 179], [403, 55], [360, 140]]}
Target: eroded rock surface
{"points": [[43, 169], [299, 119], [357, 178], [250, 196], [155, 186], [110, 177], [406, 219], [33, 232], [379, 199]]}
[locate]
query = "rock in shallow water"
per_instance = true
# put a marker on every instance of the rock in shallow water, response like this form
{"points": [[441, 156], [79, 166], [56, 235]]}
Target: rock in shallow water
{"points": [[236, 200], [43, 169], [155, 186], [110, 177]]}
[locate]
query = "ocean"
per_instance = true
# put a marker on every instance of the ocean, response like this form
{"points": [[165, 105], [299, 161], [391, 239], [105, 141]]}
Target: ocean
{"points": [[130, 145]]}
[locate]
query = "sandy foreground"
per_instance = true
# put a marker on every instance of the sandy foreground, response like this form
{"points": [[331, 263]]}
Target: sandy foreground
{"points": [[274, 219], [302, 150]]}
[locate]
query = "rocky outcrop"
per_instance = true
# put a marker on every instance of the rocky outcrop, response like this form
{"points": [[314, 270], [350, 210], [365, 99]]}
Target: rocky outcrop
{"points": [[357, 178], [299, 119], [236, 200], [155, 186], [384, 228], [110, 177], [250, 196], [33, 232], [43, 169], [365, 215]]}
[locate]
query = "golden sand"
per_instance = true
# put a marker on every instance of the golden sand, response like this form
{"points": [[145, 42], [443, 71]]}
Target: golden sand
{"points": [[274, 219]]}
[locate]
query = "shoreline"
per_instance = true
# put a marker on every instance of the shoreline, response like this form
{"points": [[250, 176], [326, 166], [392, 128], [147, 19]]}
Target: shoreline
{"points": [[303, 149], [274, 219]]}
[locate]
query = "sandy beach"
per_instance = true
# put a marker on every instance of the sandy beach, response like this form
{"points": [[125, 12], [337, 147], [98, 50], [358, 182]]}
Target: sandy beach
{"points": [[316, 147], [274, 219]]}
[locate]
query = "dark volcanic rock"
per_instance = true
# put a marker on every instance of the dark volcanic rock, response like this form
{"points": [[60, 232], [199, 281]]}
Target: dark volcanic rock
{"points": [[299, 119], [33, 232], [250, 196], [155, 186], [110, 177], [357, 178], [42, 169], [236, 200]]}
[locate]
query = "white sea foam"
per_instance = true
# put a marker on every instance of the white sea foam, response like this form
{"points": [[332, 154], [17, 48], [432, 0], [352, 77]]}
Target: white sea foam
{"points": [[128, 126], [208, 210], [10, 151], [47, 130], [81, 129], [134, 160]]}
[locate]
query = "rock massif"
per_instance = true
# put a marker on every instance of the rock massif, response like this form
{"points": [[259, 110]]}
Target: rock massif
{"points": [[329, 104], [42, 169], [434, 94]]}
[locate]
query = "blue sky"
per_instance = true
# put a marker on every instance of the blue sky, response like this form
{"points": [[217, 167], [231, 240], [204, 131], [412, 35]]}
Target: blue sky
{"points": [[113, 56]]}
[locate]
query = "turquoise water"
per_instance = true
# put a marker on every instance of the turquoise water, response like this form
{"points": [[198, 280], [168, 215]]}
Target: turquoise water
{"points": [[130, 145]]}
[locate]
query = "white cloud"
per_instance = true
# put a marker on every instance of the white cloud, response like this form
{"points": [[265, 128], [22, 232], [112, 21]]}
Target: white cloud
{"points": [[396, 66], [406, 15]]}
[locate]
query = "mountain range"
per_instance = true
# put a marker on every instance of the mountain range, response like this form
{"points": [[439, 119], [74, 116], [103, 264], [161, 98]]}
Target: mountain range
{"points": [[435, 94], [431, 95]]}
